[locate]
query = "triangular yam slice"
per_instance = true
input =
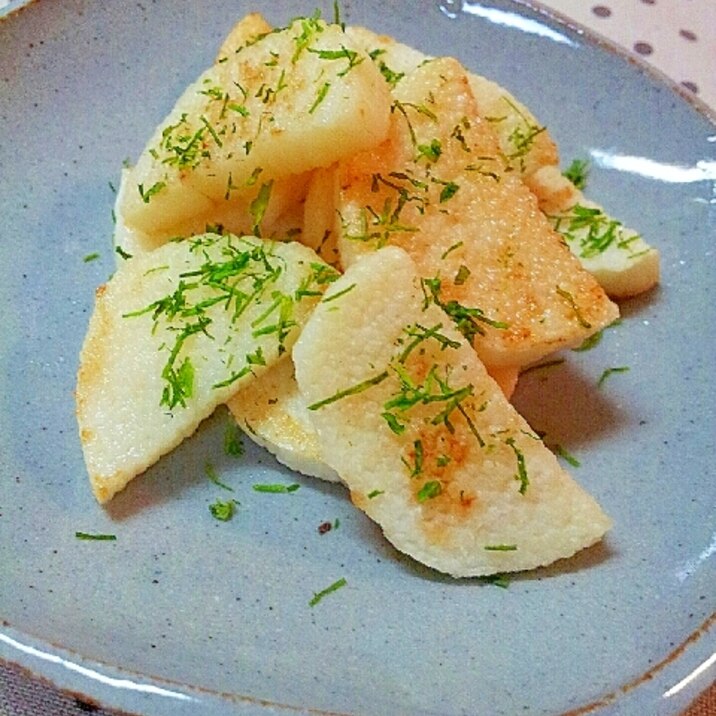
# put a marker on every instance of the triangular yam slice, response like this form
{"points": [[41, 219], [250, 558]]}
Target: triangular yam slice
{"points": [[439, 189], [424, 438], [291, 100], [176, 332]]}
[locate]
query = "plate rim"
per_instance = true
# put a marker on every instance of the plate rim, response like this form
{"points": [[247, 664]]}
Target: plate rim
{"points": [[11, 13], [596, 705]]}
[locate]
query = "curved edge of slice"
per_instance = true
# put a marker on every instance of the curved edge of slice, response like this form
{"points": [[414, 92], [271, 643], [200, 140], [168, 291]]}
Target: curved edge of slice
{"points": [[250, 28], [273, 413], [623, 263], [424, 438]]}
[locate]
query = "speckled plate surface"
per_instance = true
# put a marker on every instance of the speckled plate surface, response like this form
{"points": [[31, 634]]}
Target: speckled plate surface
{"points": [[186, 615]]}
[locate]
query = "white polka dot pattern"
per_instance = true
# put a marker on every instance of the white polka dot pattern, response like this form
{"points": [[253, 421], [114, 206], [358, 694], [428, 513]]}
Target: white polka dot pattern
{"points": [[677, 37]]}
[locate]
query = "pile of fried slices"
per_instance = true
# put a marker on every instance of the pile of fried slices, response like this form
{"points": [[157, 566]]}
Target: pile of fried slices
{"points": [[357, 248]]}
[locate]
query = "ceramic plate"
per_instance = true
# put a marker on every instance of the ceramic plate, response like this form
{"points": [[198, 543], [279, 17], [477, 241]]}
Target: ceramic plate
{"points": [[183, 614]]}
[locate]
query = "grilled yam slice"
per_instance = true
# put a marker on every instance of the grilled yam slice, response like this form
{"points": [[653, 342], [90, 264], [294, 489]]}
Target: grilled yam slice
{"points": [[617, 256], [424, 439], [176, 332], [289, 101], [438, 188]]}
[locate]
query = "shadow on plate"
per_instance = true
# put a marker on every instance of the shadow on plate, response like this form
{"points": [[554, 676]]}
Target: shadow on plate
{"points": [[184, 469], [565, 406]]}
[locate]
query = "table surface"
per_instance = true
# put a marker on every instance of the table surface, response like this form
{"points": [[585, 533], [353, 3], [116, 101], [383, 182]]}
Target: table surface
{"points": [[677, 37]]}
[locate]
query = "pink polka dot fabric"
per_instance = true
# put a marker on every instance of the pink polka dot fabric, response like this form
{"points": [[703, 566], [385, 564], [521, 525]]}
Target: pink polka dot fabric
{"points": [[677, 37]]}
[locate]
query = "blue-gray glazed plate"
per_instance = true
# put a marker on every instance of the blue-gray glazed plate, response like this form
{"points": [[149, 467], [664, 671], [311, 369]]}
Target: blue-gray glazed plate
{"points": [[183, 614]]}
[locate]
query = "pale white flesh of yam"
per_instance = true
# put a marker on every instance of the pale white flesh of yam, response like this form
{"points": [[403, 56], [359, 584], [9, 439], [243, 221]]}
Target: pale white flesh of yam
{"points": [[438, 188], [460, 482], [128, 240], [273, 211], [393, 58], [292, 100], [273, 413], [526, 144], [617, 256], [319, 215], [164, 348], [247, 30]]}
